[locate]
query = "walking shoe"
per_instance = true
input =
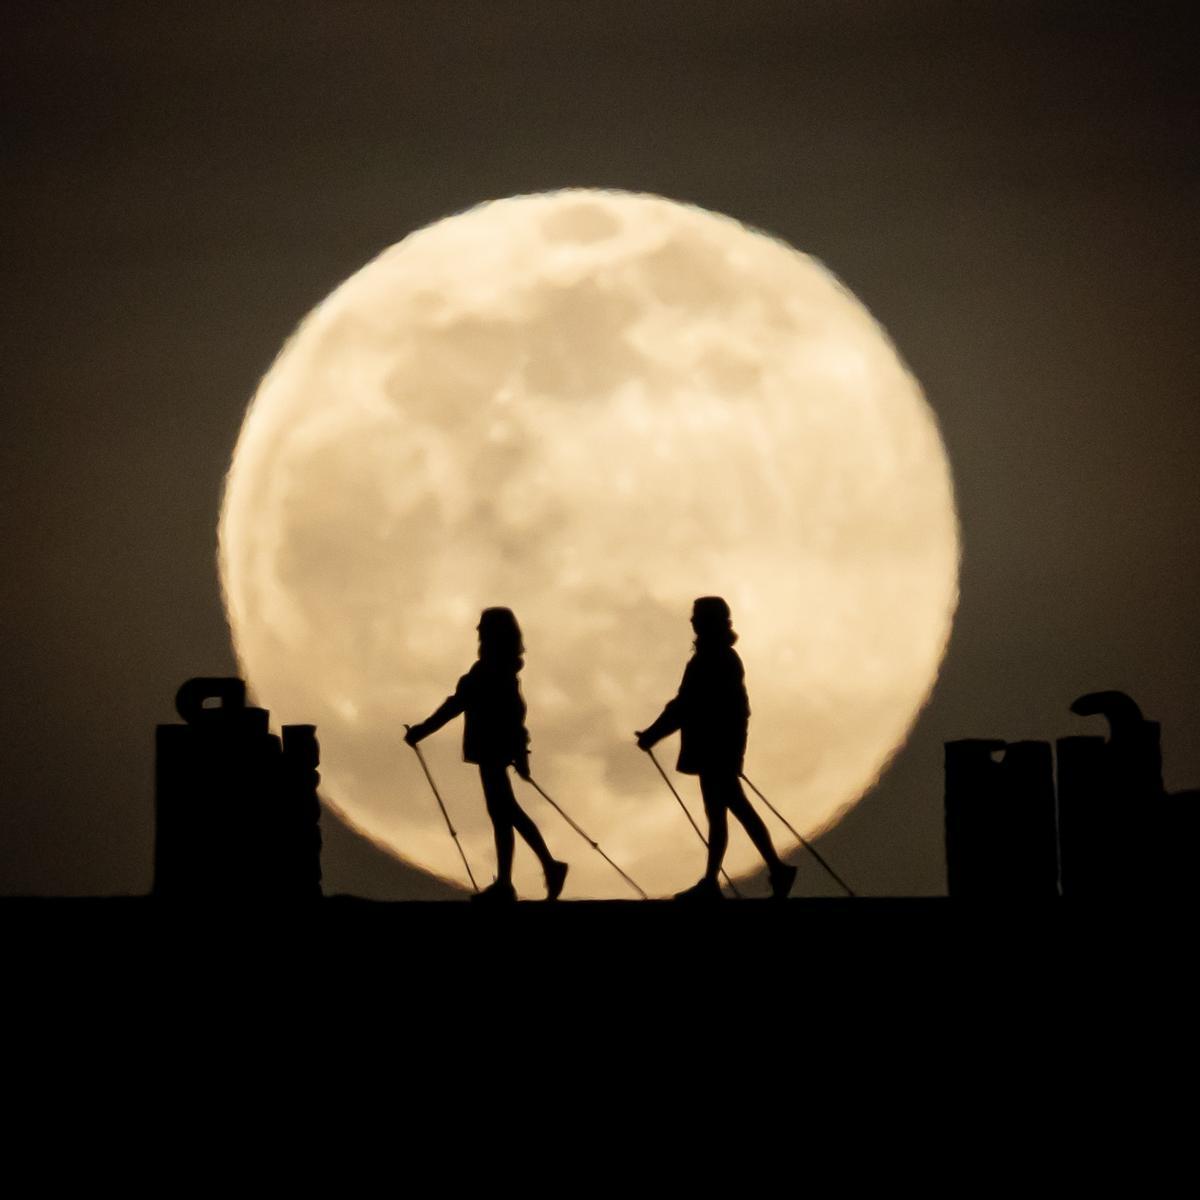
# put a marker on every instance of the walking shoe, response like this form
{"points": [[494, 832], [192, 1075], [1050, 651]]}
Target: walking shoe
{"points": [[706, 889], [556, 876], [782, 878], [496, 893]]}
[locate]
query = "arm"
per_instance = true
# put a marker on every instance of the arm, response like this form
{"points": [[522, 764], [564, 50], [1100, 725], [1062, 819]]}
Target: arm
{"points": [[669, 721], [521, 738], [450, 708]]}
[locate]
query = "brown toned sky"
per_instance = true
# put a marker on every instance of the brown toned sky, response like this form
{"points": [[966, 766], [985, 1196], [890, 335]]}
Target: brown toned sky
{"points": [[1011, 188]]}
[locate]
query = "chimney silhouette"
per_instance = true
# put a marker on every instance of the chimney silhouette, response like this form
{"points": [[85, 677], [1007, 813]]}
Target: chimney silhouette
{"points": [[236, 808], [1000, 828]]}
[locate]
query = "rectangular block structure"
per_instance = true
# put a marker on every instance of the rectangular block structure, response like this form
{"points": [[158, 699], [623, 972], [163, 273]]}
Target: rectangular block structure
{"points": [[1000, 820]]}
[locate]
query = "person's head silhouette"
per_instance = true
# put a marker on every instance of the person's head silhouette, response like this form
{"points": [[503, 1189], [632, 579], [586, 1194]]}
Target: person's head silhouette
{"points": [[500, 637], [712, 622]]}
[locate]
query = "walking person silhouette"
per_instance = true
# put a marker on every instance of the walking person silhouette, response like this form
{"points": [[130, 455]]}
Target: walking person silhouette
{"points": [[495, 738], [712, 715]]}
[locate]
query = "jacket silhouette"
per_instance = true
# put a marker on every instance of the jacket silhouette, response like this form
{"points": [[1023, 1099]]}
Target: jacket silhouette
{"points": [[489, 698], [711, 713]]}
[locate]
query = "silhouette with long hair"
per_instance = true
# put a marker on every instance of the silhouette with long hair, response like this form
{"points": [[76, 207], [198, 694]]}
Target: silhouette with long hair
{"points": [[495, 738], [712, 715]]}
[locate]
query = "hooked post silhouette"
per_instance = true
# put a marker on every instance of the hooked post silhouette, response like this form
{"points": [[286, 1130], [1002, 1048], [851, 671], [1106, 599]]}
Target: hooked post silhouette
{"points": [[1119, 829]]}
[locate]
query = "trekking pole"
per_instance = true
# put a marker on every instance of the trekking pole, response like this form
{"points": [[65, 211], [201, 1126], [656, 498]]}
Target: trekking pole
{"points": [[806, 844], [691, 820], [449, 824], [590, 841]]}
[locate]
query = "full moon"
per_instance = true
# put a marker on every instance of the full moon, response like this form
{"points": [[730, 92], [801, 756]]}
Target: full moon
{"points": [[591, 407]]}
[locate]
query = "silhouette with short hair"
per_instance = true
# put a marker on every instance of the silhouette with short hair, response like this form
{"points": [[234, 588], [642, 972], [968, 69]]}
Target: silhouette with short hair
{"points": [[495, 738], [712, 715]]}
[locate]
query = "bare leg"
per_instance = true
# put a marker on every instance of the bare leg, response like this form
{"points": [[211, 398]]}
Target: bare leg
{"points": [[752, 823], [523, 823], [507, 815], [498, 794], [712, 790]]}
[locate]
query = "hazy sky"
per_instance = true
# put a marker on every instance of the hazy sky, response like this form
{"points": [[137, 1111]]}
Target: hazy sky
{"points": [[1011, 189]]}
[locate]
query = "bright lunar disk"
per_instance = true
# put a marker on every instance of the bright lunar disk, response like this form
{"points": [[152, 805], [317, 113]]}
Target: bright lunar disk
{"points": [[591, 407]]}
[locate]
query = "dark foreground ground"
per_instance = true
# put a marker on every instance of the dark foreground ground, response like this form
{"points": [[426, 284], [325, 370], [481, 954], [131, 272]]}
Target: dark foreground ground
{"points": [[883, 948], [639, 1010]]}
